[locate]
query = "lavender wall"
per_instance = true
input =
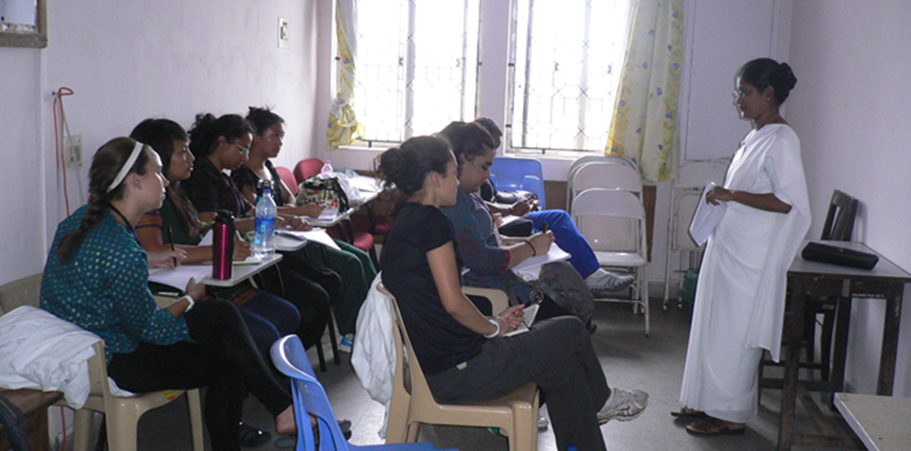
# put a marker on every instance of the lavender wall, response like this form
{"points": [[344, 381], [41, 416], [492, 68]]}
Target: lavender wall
{"points": [[849, 108], [130, 60]]}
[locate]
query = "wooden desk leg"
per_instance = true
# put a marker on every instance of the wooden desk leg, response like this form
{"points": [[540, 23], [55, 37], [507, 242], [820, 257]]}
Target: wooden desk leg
{"points": [[890, 343], [842, 325], [794, 317]]}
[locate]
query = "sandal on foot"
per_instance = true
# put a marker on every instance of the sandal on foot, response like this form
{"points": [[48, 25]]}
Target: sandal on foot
{"points": [[251, 437], [688, 413], [713, 427]]}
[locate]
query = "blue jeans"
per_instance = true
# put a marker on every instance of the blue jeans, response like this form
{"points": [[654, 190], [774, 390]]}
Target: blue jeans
{"points": [[568, 237]]}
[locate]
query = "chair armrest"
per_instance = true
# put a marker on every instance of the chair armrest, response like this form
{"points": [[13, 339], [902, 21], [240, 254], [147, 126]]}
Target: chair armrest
{"points": [[499, 301]]}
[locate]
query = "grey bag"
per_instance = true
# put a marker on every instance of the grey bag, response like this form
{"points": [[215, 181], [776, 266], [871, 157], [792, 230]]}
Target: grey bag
{"points": [[562, 283]]}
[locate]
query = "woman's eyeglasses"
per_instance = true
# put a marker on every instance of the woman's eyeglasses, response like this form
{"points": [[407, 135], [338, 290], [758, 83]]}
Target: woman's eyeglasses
{"points": [[739, 94]]}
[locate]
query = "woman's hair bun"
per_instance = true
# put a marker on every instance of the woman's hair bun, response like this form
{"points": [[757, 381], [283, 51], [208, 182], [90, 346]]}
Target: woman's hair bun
{"points": [[785, 77]]}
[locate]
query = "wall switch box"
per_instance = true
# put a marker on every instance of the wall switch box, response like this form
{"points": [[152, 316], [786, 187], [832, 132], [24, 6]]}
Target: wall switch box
{"points": [[284, 34], [73, 152]]}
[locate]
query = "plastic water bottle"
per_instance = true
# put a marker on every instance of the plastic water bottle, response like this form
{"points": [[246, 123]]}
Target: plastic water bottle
{"points": [[327, 168], [264, 238]]}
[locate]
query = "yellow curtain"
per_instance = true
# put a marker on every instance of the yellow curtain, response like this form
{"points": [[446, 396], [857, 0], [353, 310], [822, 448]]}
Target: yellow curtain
{"points": [[644, 125], [343, 126]]}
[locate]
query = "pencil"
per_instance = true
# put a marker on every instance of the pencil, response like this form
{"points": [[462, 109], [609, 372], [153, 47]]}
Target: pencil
{"points": [[171, 242]]}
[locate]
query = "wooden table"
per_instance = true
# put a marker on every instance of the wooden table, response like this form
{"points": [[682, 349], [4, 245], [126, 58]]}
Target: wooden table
{"points": [[812, 279], [33, 404], [881, 422]]}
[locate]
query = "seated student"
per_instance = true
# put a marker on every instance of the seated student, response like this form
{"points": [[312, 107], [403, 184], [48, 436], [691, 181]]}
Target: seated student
{"points": [[96, 277], [566, 234], [463, 353], [267, 316], [352, 264], [490, 257], [223, 143]]}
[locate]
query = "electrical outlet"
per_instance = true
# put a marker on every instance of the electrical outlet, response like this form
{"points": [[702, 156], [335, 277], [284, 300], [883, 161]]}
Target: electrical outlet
{"points": [[284, 34], [73, 152]]}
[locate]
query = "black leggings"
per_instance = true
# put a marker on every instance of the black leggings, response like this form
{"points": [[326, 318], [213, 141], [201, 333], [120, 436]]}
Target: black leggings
{"points": [[307, 294], [223, 358]]}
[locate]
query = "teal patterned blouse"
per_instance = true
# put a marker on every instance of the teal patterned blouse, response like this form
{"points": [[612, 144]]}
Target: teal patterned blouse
{"points": [[104, 288]]}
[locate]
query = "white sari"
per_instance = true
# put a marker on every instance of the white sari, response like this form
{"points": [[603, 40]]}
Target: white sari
{"points": [[740, 296]]}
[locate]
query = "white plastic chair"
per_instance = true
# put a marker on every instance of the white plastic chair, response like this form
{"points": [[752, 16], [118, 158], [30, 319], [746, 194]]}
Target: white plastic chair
{"points": [[686, 192], [121, 413], [413, 403], [606, 175], [613, 223]]}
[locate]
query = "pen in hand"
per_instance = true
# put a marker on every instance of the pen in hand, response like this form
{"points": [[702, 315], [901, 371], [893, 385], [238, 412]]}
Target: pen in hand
{"points": [[545, 227], [171, 242]]}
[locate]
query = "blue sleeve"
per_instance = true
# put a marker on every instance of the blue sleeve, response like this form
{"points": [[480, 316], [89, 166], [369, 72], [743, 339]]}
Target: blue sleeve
{"points": [[474, 250]]}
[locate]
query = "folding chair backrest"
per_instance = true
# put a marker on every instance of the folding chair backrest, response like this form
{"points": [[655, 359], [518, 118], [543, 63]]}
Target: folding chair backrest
{"points": [[610, 220], [697, 174], [600, 158], [607, 175]]}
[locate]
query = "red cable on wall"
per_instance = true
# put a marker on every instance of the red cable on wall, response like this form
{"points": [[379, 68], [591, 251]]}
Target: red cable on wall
{"points": [[58, 150]]}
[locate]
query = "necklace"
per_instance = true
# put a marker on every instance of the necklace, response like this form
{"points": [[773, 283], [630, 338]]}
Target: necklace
{"points": [[125, 222]]}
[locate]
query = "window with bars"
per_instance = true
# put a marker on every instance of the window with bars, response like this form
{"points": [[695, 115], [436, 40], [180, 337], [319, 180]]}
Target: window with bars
{"points": [[416, 66], [417, 69], [565, 70]]}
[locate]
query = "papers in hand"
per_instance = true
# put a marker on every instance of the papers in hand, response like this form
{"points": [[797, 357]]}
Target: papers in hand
{"points": [[530, 313], [706, 218], [530, 269]]}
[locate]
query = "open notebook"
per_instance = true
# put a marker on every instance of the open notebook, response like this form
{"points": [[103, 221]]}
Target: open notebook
{"points": [[530, 313]]}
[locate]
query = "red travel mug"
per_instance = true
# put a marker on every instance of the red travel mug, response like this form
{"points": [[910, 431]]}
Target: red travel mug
{"points": [[223, 246]]}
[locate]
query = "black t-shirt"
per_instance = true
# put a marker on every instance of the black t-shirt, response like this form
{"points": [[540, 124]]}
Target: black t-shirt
{"points": [[439, 341]]}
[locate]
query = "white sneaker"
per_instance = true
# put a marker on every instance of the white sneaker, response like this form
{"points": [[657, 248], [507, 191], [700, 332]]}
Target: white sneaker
{"points": [[606, 280], [345, 344], [623, 405]]}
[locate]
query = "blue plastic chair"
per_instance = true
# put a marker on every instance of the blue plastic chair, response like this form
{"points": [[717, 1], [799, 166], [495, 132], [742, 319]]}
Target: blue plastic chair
{"points": [[309, 397], [527, 174]]}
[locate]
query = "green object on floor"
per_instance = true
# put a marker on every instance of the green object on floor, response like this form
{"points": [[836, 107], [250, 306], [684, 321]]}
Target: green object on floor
{"points": [[687, 292]]}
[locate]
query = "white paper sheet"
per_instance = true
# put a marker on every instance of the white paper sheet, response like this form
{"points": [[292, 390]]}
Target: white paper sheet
{"points": [[706, 218], [530, 269], [180, 276]]}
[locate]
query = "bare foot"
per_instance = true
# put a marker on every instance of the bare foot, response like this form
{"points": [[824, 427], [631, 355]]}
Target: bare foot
{"points": [[284, 422]]}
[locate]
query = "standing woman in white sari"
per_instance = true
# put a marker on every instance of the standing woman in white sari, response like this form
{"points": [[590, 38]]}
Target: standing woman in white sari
{"points": [[740, 295]]}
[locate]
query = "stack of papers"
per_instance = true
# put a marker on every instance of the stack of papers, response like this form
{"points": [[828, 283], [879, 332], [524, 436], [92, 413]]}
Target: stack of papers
{"points": [[707, 218], [530, 269]]}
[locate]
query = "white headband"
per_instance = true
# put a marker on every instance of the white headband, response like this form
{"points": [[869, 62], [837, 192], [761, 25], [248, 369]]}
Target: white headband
{"points": [[126, 166]]}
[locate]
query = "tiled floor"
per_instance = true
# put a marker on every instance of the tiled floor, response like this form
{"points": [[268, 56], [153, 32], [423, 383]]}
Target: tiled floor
{"points": [[629, 359]]}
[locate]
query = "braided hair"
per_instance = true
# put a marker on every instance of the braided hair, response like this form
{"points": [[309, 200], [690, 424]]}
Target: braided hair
{"points": [[106, 164]]}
